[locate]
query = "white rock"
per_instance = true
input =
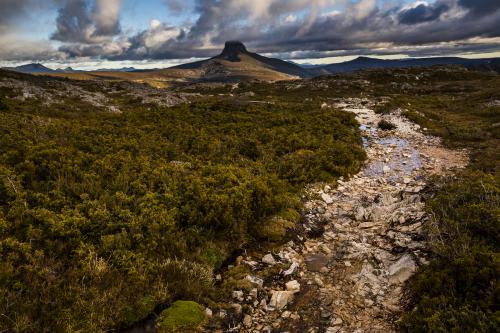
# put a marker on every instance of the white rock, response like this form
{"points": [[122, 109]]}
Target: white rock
{"points": [[238, 294], [318, 281], [293, 286], [386, 169], [208, 312], [360, 214], [325, 249], [402, 269], [263, 304], [269, 259], [326, 198], [254, 293], [292, 269], [280, 299], [336, 321], [255, 280]]}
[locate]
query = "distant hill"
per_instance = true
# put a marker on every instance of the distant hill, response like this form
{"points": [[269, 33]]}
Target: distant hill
{"points": [[32, 68], [123, 69], [39, 68], [236, 61], [368, 63]]}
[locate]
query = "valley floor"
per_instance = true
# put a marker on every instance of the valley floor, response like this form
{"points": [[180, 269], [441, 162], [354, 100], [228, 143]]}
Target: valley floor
{"points": [[351, 277]]}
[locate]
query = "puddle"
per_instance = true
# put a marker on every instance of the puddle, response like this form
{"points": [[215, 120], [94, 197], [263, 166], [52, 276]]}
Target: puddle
{"points": [[403, 159]]}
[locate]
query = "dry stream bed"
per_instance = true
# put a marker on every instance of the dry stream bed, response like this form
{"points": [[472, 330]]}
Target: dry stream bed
{"points": [[351, 277]]}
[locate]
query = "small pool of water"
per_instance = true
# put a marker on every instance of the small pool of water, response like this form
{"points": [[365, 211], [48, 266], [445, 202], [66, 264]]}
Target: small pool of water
{"points": [[400, 165]]}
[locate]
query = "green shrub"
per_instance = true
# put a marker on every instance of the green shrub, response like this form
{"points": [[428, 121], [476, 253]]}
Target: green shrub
{"points": [[3, 106], [105, 216], [182, 316], [274, 229], [385, 125]]}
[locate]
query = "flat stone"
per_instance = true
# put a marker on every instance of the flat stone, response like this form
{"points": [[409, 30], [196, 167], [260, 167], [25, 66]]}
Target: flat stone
{"points": [[359, 215], [402, 269], [292, 269], [366, 225], [315, 262], [326, 198], [333, 329], [269, 259], [336, 321], [255, 280]]}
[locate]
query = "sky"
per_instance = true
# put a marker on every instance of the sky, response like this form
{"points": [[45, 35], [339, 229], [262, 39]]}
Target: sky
{"points": [[89, 34]]}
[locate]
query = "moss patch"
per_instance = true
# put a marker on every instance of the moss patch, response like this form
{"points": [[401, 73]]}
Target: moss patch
{"points": [[181, 316]]}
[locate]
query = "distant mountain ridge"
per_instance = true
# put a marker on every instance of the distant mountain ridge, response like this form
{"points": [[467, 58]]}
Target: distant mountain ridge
{"points": [[39, 68], [362, 63], [235, 63]]}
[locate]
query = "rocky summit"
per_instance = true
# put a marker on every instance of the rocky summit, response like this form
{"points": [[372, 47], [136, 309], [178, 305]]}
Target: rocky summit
{"points": [[232, 51]]}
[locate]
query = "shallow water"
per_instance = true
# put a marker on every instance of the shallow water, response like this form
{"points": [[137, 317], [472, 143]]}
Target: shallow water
{"points": [[399, 164]]}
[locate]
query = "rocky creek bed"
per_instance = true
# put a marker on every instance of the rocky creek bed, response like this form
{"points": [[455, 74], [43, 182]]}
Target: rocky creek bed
{"points": [[351, 278]]}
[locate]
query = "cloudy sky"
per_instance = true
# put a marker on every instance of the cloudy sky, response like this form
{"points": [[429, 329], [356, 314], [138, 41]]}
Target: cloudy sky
{"points": [[87, 34]]}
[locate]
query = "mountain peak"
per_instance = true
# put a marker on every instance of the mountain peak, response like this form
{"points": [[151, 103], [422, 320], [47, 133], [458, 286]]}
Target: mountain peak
{"points": [[33, 68], [232, 50]]}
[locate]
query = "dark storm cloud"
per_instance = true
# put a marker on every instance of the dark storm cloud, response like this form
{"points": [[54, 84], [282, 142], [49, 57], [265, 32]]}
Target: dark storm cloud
{"points": [[481, 7], [88, 22], [11, 9], [422, 13], [73, 22], [360, 26], [91, 28]]}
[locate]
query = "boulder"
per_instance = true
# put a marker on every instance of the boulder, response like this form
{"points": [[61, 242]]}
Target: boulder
{"points": [[269, 259], [402, 269], [293, 286], [280, 299], [315, 262]]}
